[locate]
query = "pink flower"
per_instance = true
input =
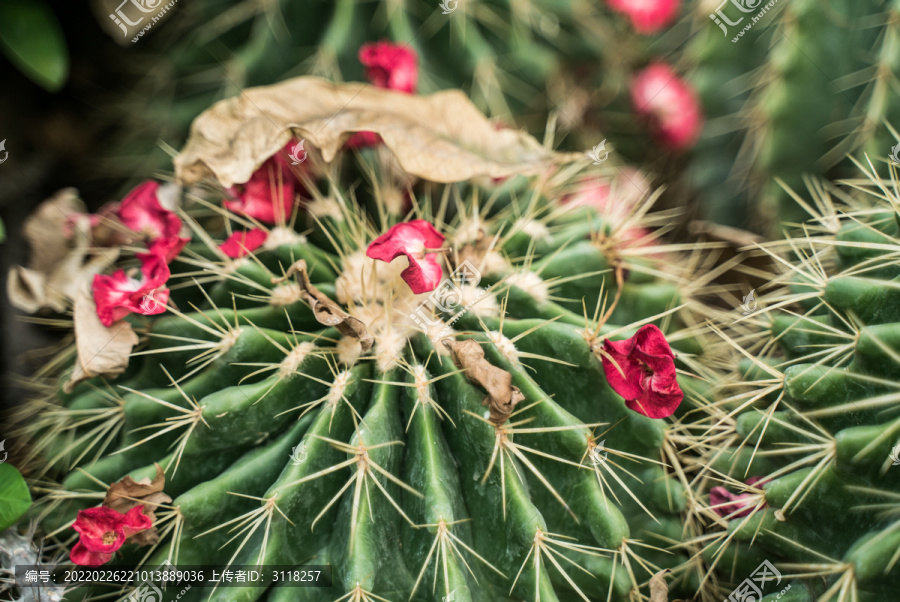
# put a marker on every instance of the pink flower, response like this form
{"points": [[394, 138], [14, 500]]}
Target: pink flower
{"points": [[642, 370], [167, 248], [390, 66], [647, 16], [140, 210], [103, 531], [412, 239], [670, 104], [240, 244], [269, 194], [118, 295], [615, 201], [734, 505]]}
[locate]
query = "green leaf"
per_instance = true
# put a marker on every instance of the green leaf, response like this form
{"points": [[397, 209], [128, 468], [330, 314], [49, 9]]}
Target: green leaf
{"points": [[32, 38], [14, 496], [2, 231]]}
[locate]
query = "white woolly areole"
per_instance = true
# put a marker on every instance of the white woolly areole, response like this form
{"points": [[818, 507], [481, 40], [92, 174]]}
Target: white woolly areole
{"points": [[506, 347], [349, 350], [340, 384], [363, 279], [285, 294], [281, 235], [480, 301], [295, 357], [389, 345], [325, 207], [468, 232], [532, 228], [421, 382], [532, 284], [493, 262]]}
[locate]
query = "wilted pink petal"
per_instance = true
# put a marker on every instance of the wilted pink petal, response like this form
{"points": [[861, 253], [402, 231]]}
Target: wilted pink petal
{"points": [[167, 248], [390, 66], [412, 239], [240, 244], [269, 194], [615, 201], [734, 505], [642, 370], [670, 104], [103, 531], [118, 295], [140, 210], [647, 16]]}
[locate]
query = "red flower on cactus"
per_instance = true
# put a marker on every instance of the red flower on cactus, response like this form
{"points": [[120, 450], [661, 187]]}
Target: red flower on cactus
{"points": [[642, 370], [118, 295], [241, 244], [103, 531], [390, 66], [412, 239], [670, 104], [268, 196], [647, 16], [734, 505], [140, 210]]}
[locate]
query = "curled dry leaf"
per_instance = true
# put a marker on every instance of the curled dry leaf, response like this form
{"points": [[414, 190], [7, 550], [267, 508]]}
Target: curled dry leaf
{"points": [[659, 589], [442, 137], [502, 395], [124, 495], [325, 310], [102, 350], [58, 234]]}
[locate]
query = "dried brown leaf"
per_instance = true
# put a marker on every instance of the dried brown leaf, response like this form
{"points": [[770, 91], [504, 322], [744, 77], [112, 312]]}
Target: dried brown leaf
{"points": [[659, 589], [59, 262], [442, 137], [325, 310], [102, 350], [502, 395], [124, 495]]}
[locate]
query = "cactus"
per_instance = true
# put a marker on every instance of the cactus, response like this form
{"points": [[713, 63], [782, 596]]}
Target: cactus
{"points": [[802, 464], [788, 100], [293, 400]]}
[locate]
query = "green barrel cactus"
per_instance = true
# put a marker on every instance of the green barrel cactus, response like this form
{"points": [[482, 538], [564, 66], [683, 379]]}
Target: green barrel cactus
{"points": [[803, 455], [422, 402]]}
